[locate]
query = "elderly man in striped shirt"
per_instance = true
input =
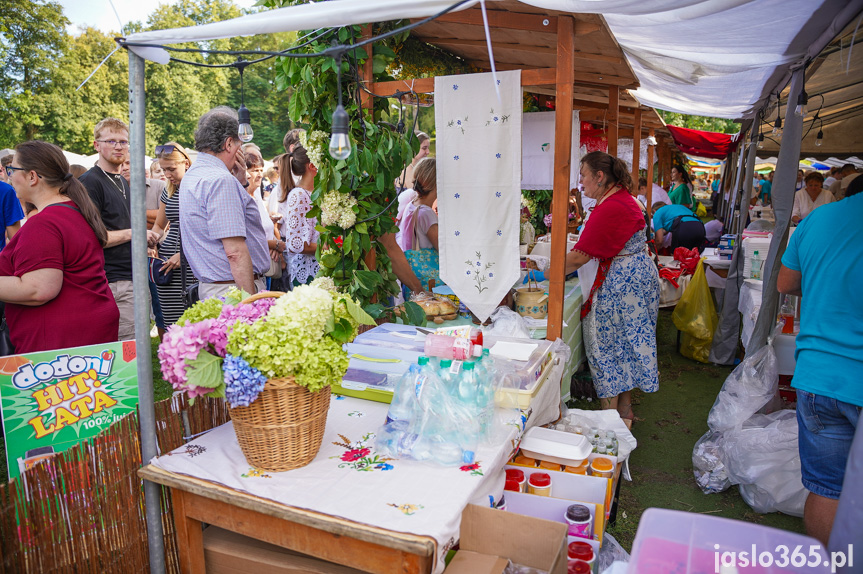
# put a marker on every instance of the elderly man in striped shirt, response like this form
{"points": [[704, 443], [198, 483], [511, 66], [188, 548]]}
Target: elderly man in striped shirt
{"points": [[220, 226]]}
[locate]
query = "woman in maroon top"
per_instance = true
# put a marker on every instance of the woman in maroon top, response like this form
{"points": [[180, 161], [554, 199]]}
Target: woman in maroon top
{"points": [[52, 275]]}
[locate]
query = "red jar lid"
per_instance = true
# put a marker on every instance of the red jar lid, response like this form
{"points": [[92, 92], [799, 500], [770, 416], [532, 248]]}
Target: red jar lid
{"points": [[578, 567], [512, 485], [580, 551], [539, 479], [515, 474]]}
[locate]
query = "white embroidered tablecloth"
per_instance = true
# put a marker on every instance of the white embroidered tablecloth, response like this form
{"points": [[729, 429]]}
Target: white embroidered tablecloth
{"points": [[350, 480], [537, 161], [478, 182]]}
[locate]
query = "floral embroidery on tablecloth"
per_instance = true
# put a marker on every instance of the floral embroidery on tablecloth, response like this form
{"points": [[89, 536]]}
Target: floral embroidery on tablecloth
{"points": [[340, 397], [407, 509], [358, 414], [255, 473], [479, 272], [358, 456], [194, 450], [474, 469]]}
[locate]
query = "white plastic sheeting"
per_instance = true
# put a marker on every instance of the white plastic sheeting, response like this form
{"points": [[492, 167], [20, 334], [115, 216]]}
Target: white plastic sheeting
{"points": [[706, 57]]}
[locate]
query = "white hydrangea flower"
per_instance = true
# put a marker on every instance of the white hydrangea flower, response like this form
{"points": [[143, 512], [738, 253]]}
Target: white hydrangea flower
{"points": [[305, 308], [325, 283], [337, 209]]}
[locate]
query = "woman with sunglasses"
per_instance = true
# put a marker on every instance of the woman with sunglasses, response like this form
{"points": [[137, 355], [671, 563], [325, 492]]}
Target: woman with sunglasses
{"points": [[174, 161], [52, 272]]}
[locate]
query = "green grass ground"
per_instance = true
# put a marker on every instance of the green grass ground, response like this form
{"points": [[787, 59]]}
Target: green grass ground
{"points": [[668, 424]]}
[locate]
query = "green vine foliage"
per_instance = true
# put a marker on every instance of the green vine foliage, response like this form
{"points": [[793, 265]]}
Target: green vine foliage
{"points": [[539, 203], [364, 181]]}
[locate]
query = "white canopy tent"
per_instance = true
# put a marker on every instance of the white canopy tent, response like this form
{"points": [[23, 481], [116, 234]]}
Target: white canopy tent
{"points": [[721, 58]]}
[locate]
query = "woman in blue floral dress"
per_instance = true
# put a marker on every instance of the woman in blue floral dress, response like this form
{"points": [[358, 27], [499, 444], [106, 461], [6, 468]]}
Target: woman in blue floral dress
{"points": [[619, 316]]}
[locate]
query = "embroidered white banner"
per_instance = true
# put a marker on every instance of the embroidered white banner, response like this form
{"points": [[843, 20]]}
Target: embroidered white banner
{"points": [[478, 177], [537, 149]]}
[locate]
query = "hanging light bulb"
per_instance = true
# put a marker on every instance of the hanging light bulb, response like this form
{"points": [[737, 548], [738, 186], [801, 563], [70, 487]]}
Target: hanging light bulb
{"points": [[340, 144], [760, 141], [802, 100], [245, 118], [777, 127], [246, 133], [819, 139]]}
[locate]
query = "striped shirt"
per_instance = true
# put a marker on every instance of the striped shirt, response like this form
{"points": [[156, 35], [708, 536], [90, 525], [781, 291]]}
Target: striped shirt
{"points": [[214, 206]]}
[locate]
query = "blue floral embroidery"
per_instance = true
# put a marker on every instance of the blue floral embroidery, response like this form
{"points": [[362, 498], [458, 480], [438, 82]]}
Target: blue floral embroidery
{"points": [[481, 275], [457, 233], [468, 271], [499, 232], [340, 397], [458, 122], [491, 275], [455, 86], [498, 82], [455, 157], [384, 466], [496, 118], [498, 194], [497, 155], [457, 196]]}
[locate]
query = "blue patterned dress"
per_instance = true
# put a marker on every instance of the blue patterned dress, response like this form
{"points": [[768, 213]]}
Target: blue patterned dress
{"points": [[620, 330]]}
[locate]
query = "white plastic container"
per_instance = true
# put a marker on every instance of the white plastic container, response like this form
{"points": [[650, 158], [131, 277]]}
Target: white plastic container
{"points": [[555, 446]]}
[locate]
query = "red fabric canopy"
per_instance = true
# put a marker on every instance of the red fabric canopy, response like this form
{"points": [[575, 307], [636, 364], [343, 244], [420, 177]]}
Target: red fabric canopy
{"points": [[705, 144]]}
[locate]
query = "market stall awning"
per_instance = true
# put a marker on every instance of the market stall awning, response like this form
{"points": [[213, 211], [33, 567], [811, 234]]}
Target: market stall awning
{"points": [[711, 145]]}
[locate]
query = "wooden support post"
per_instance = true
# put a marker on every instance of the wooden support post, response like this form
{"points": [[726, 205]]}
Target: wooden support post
{"points": [[368, 104], [636, 146], [650, 149], [613, 118], [562, 167]]}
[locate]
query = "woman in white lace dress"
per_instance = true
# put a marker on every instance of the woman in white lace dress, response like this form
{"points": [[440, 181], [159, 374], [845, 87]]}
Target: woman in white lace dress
{"points": [[298, 231]]}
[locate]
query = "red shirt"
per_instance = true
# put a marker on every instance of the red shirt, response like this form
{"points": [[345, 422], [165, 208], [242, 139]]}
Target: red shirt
{"points": [[84, 311]]}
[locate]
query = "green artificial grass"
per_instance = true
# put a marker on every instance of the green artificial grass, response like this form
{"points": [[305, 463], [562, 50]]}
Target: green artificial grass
{"points": [[668, 423]]}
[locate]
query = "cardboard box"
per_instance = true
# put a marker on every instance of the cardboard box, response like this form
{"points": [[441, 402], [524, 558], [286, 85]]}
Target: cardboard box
{"points": [[489, 537], [227, 552]]}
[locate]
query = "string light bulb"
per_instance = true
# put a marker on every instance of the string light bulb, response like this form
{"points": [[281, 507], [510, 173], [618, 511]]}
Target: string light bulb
{"points": [[777, 127], [802, 100], [340, 144], [245, 132], [819, 139], [760, 141]]}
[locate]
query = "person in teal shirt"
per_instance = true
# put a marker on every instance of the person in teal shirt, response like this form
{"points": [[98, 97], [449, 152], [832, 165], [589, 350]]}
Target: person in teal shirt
{"points": [[685, 228], [824, 265], [681, 187], [765, 184]]}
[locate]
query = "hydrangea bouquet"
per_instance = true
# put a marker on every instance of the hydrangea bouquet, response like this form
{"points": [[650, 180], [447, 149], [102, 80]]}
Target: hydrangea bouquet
{"points": [[222, 347]]}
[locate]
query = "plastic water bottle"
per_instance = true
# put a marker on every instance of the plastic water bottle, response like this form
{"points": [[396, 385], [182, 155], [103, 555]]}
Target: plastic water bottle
{"points": [[446, 375], [404, 397], [755, 271], [485, 404], [467, 385]]}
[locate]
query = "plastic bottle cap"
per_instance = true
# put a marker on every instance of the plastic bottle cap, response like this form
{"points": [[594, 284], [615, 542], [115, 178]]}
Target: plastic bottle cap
{"points": [[445, 363], [485, 352], [756, 253], [577, 513], [539, 480], [423, 360], [602, 465], [511, 485], [578, 567], [580, 551], [468, 365], [515, 474]]}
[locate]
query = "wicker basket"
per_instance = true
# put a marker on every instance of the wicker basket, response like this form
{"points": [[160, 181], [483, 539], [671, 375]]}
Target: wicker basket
{"points": [[284, 427]]}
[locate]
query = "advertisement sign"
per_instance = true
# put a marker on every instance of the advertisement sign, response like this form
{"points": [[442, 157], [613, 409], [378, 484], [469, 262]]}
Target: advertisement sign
{"points": [[52, 400]]}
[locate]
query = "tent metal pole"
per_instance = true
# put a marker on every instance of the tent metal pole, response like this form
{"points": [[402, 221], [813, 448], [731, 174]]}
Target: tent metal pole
{"points": [[783, 202], [146, 408], [724, 348]]}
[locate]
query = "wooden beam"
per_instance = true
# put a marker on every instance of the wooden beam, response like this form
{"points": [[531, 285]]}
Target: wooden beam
{"points": [[613, 119], [530, 77], [459, 42], [514, 21], [588, 79], [636, 146], [562, 159], [650, 151]]}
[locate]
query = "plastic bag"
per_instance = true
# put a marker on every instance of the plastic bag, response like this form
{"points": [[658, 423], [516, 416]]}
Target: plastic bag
{"points": [[507, 323], [695, 315], [749, 387], [710, 472], [700, 210], [610, 552]]}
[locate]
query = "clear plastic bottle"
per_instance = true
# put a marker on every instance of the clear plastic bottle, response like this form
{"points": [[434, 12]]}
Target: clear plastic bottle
{"points": [[755, 270], [404, 397], [786, 314], [467, 387], [446, 375]]}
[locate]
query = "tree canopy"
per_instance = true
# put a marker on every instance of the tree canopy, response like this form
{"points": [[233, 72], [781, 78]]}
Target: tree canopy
{"points": [[44, 65]]}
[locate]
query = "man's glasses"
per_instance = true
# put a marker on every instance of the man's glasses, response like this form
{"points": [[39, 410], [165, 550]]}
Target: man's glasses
{"points": [[168, 149], [115, 143], [10, 170]]}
